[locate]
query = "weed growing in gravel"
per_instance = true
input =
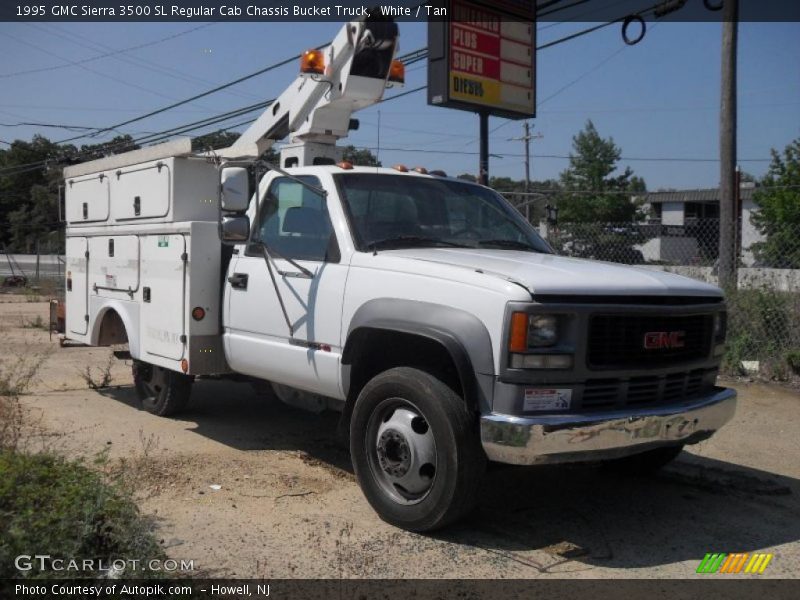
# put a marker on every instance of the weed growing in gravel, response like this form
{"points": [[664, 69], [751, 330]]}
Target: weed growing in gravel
{"points": [[37, 323], [104, 376]]}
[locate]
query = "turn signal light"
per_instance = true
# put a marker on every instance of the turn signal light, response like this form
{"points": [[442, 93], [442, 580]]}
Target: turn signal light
{"points": [[312, 63], [518, 341], [184, 365], [397, 72], [198, 313]]}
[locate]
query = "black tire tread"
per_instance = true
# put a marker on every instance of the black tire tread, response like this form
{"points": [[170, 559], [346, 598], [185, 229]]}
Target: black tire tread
{"points": [[174, 398], [471, 458]]}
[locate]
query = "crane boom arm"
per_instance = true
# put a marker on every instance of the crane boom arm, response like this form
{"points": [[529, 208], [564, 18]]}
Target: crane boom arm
{"points": [[316, 107]]}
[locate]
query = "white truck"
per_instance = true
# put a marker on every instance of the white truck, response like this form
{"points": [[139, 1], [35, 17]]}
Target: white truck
{"points": [[424, 308]]}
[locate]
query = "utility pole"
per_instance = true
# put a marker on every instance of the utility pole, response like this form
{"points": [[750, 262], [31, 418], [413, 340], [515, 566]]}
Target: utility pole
{"points": [[483, 161], [727, 147], [527, 139]]}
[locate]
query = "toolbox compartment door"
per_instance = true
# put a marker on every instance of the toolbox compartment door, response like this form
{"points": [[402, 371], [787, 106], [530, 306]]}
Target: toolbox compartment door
{"points": [[115, 265], [87, 200], [163, 296], [141, 193], [77, 286]]}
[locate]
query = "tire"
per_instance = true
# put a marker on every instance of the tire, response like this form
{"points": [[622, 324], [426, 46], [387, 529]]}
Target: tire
{"points": [[263, 390], [645, 463], [161, 391], [415, 449]]}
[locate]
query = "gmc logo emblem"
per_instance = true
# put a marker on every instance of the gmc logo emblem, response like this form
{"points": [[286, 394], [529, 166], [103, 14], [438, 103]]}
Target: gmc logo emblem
{"points": [[658, 340]]}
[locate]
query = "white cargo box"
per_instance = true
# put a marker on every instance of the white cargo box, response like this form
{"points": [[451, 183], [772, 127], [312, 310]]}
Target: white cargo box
{"points": [[167, 190], [152, 283]]}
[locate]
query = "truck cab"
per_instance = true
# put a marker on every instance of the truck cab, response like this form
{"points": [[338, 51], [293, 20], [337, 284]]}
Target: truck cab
{"points": [[425, 278]]}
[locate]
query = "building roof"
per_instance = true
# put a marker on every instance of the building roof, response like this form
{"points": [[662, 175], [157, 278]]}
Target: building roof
{"points": [[707, 195]]}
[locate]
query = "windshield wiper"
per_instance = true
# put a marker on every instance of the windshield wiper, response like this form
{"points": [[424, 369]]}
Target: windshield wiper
{"points": [[508, 244], [413, 240]]}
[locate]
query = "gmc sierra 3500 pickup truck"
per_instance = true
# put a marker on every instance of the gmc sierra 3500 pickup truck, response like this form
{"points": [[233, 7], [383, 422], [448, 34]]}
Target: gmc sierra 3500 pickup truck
{"points": [[425, 308]]}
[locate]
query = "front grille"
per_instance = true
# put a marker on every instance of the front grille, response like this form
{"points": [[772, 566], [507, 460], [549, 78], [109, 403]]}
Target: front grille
{"points": [[645, 391], [618, 341]]}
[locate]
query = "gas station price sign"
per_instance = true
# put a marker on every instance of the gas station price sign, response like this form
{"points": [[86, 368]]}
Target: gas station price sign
{"points": [[483, 58]]}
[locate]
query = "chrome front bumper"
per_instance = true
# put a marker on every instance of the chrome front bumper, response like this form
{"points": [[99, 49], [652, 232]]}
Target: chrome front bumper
{"points": [[564, 438]]}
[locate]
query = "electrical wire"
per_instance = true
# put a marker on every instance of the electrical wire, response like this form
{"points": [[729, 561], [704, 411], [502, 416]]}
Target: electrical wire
{"points": [[107, 54]]}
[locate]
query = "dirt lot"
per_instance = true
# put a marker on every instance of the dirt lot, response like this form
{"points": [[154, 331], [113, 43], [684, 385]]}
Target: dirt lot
{"points": [[288, 504]]}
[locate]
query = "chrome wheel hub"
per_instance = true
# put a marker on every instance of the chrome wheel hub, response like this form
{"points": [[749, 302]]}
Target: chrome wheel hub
{"points": [[403, 460]]}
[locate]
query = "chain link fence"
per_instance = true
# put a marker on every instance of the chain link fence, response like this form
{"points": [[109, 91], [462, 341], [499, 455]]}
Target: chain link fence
{"points": [[763, 309]]}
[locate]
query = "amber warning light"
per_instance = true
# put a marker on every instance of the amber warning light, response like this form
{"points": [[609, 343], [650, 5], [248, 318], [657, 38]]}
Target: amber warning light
{"points": [[312, 62], [397, 72]]}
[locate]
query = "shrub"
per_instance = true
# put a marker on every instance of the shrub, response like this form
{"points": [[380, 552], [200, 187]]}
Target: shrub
{"points": [[49, 505], [763, 325]]}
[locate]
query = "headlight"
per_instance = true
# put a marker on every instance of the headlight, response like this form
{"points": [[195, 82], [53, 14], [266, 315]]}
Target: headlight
{"points": [[542, 331], [531, 332]]}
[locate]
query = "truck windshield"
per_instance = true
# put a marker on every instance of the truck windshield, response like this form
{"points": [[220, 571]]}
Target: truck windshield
{"points": [[398, 211]]}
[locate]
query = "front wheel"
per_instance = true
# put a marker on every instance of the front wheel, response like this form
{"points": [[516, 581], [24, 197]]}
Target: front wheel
{"points": [[162, 392], [415, 450]]}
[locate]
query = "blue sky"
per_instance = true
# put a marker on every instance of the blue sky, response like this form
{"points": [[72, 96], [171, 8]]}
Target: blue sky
{"points": [[658, 99]]}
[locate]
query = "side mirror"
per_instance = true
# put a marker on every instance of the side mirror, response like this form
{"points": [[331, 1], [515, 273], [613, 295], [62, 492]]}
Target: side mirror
{"points": [[235, 229], [235, 195]]}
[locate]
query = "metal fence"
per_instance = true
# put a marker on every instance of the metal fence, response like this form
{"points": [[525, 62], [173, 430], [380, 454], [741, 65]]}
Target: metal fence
{"points": [[21, 270], [764, 307]]}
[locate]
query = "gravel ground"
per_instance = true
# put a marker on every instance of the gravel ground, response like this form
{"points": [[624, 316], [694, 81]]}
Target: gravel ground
{"points": [[284, 502]]}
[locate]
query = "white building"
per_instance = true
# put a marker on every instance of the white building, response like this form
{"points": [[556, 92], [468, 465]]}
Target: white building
{"points": [[686, 226]]}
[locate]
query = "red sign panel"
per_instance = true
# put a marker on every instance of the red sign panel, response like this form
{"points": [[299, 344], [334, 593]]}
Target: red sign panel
{"points": [[474, 41]]}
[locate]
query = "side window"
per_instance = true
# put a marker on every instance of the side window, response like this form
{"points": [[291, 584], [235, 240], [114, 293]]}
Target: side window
{"points": [[294, 221]]}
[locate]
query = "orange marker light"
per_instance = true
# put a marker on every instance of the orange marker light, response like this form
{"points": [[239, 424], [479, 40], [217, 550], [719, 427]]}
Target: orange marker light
{"points": [[519, 332], [401, 168], [439, 173], [185, 365], [397, 72], [421, 170], [198, 313], [312, 62], [345, 165]]}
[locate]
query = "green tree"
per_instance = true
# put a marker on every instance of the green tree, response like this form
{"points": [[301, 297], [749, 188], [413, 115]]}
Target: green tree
{"points": [[214, 140], [361, 157], [778, 217], [596, 190], [117, 145]]}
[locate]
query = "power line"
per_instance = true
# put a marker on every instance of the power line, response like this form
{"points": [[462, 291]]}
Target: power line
{"points": [[107, 54], [48, 125], [567, 157], [168, 133], [136, 61], [195, 97], [85, 68]]}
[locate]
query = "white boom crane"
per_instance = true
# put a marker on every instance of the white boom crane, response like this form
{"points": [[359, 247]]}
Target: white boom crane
{"points": [[349, 74]]}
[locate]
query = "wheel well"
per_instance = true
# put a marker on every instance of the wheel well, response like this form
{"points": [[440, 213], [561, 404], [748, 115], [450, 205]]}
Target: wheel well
{"points": [[372, 351], [112, 329]]}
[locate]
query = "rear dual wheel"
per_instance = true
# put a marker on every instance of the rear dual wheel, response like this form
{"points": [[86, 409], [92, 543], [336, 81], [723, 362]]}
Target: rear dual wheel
{"points": [[162, 392], [415, 450]]}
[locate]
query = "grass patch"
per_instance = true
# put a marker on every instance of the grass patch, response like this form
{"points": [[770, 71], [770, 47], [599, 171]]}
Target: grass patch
{"points": [[49, 505], [37, 323]]}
